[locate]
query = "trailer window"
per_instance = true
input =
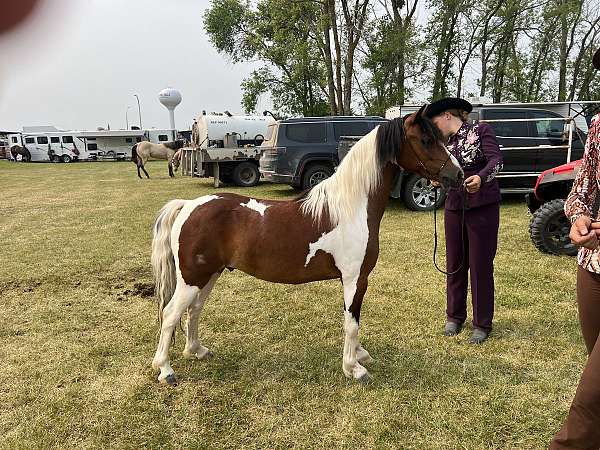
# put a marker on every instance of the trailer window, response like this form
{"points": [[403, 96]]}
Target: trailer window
{"points": [[29, 140], [42, 140], [310, 133], [129, 140], [55, 139], [14, 139], [67, 139], [353, 128], [92, 146], [163, 138]]}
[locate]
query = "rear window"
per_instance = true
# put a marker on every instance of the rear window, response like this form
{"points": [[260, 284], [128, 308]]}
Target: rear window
{"points": [[309, 133], [42, 140], [354, 128], [547, 128], [508, 128], [67, 139]]}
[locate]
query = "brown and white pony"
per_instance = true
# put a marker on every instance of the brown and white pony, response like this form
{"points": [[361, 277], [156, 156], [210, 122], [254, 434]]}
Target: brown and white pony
{"points": [[330, 232], [142, 151]]}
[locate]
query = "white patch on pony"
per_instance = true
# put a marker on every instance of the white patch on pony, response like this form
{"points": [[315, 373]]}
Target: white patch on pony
{"points": [[200, 259], [256, 206], [453, 158]]}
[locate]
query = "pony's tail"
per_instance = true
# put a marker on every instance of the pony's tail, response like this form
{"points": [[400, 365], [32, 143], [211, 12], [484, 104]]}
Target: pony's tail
{"points": [[163, 260], [134, 155]]}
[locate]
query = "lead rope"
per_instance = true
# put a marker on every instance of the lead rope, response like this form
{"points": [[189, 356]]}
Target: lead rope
{"points": [[435, 234]]}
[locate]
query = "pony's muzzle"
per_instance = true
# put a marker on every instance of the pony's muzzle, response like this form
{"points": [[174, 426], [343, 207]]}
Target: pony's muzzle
{"points": [[452, 176]]}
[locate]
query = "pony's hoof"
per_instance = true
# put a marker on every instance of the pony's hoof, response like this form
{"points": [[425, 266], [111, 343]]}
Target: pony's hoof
{"points": [[170, 380], [365, 378]]}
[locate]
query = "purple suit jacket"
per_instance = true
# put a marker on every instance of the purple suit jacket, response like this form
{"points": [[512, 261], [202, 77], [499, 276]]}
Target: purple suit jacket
{"points": [[476, 149]]}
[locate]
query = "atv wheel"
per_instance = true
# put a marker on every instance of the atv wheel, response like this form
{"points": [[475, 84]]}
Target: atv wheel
{"points": [[549, 229]]}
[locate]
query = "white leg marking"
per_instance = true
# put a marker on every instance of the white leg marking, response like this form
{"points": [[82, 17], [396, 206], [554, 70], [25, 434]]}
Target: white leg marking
{"points": [[256, 206], [193, 348], [182, 298], [350, 365]]}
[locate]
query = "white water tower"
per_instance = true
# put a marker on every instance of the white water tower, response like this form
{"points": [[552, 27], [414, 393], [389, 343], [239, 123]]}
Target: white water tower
{"points": [[170, 98]]}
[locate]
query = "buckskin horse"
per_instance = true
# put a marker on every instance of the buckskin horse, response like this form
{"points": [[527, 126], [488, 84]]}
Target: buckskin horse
{"points": [[329, 232], [142, 151]]}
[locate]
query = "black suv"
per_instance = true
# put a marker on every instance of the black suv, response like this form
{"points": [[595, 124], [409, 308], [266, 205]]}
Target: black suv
{"points": [[302, 152]]}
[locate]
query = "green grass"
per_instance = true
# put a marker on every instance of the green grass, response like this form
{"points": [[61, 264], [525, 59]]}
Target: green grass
{"points": [[77, 335]]}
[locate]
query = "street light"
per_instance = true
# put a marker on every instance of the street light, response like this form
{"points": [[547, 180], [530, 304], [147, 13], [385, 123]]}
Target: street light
{"points": [[127, 118], [139, 109]]}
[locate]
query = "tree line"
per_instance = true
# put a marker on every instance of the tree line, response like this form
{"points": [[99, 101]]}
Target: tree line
{"points": [[339, 57]]}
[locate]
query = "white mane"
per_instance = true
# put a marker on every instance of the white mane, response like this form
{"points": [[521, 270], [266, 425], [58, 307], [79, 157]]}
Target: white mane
{"points": [[356, 177]]}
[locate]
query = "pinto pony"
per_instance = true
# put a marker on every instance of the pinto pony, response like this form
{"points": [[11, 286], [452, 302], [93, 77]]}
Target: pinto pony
{"points": [[329, 232], [142, 151]]}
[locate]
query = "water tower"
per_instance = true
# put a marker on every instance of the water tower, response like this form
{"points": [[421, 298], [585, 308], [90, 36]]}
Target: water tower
{"points": [[170, 98]]}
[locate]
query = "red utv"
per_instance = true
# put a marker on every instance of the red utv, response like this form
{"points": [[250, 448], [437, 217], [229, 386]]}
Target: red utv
{"points": [[549, 227]]}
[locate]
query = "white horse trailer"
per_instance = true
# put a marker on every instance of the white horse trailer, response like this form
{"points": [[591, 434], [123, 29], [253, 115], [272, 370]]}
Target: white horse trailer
{"points": [[55, 146], [110, 144]]}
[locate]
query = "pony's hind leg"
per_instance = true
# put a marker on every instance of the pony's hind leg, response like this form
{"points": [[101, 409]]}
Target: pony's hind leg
{"points": [[354, 354], [144, 169], [182, 298], [193, 348], [171, 174]]}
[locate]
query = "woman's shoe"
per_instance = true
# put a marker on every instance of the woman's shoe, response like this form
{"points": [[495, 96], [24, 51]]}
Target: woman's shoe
{"points": [[478, 336], [452, 328]]}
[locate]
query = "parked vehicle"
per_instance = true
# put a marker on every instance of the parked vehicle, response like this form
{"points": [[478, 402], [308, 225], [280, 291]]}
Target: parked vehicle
{"points": [[226, 147], [302, 152], [549, 227], [532, 137]]}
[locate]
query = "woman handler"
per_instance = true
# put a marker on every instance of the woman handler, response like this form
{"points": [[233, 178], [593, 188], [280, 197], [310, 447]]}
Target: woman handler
{"points": [[581, 429], [472, 245]]}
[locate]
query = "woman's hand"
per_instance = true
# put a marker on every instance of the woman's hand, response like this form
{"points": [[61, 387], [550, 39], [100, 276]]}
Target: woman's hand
{"points": [[584, 233], [473, 184]]}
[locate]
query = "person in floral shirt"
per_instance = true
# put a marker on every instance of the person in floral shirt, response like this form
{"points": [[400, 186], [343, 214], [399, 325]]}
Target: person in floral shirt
{"points": [[581, 429], [470, 247]]}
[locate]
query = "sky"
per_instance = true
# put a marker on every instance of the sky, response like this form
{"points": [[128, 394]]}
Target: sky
{"points": [[76, 64]]}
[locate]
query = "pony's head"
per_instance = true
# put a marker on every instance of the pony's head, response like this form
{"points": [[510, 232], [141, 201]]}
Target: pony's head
{"points": [[414, 143], [176, 160]]}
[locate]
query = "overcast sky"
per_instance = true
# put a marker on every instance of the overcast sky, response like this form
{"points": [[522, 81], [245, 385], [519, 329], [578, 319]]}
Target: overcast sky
{"points": [[77, 63]]}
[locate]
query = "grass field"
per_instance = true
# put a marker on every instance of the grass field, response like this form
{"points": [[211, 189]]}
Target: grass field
{"points": [[78, 332]]}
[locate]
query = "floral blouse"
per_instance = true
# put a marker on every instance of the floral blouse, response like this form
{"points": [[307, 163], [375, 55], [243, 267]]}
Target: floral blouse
{"points": [[585, 189], [476, 149]]}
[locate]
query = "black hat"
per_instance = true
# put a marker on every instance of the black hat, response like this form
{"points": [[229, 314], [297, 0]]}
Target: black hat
{"points": [[596, 59], [439, 106]]}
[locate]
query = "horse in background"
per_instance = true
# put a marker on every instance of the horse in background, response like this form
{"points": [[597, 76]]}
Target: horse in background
{"points": [[142, 151], [23, 151]]}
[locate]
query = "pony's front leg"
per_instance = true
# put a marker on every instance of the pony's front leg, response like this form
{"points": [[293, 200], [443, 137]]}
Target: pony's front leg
{"points": [[182, 298], [354, 354]]}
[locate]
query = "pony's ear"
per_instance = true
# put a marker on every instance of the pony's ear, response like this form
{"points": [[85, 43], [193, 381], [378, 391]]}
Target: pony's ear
{"points": [[421, 111]]}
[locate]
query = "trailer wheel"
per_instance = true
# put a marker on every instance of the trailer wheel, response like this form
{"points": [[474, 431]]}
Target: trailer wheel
{"points": [[66, 158], [111, 154], [549, 229], [245, 174]]}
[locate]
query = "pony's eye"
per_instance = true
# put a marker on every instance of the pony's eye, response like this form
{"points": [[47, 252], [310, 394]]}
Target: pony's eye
{"points": [[425, 141]]}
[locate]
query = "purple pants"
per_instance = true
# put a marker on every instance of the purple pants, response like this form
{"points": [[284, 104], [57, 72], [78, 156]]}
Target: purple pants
{"points": [[480, 236]]}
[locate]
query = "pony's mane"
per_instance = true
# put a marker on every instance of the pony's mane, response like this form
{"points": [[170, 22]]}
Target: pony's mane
{"points": [[359, 173], [356, 177]]}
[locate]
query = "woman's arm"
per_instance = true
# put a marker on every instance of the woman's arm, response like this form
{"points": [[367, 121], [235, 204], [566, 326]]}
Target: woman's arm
{"points": [[491, 151], [585, 187]]}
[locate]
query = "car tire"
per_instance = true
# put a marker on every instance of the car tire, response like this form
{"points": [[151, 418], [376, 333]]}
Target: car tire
{"points": [[315, 174], [549, 229], [66, 158], [418, 194], [245, 174]]}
